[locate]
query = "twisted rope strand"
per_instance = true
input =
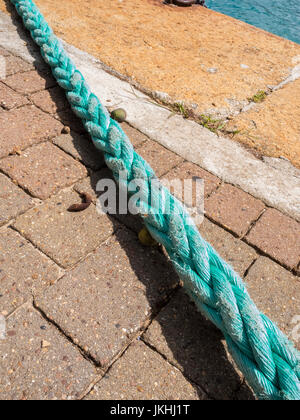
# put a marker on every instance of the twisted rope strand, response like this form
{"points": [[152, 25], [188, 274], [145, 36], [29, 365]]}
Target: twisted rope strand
{"points": [[270, 363]]}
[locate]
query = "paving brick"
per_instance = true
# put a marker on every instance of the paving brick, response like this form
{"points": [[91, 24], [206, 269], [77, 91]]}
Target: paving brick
{"points": [[52, 100], [69, 119], [189, 171], [107, 298], [43, 169], [24, 271], [136, 137], [66, 237], [190, 342], [160, 159], [25, 126], [233, 209], [81, 148], [16, 65], [10, 99], [13, 200], [276, 292], [30, 370], [30, 82], [89, 185], [235, 252], [278, 236], [142, 374]]}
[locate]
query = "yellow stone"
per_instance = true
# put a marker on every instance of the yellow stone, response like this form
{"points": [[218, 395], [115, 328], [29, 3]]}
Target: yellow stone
{"points": [[273, 126], [145, 238]]}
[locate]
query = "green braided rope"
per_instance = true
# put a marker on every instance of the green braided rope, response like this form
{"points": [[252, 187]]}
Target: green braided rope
{"points": [[270, 363]]}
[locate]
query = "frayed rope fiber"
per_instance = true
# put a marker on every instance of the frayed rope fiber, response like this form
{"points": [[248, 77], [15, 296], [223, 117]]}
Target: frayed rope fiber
{"points": [[266, 357]]}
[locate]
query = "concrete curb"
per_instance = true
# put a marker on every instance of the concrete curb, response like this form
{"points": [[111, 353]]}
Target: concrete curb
{"points": [[218, 155]]}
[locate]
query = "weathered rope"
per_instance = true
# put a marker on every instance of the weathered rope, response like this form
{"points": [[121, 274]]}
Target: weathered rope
{"points": [[268, 360]]}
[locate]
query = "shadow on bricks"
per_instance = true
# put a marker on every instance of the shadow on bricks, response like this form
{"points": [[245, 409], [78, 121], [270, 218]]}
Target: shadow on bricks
{"points": [[178, 331]]}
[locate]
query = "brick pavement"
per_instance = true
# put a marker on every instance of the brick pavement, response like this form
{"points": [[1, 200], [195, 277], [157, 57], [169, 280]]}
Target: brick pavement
{"points": [[92, 314]]}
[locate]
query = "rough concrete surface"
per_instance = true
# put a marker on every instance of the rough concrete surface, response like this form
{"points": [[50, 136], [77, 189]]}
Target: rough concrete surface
{"points": [[162, 48], [215, 70], [273, 126]]}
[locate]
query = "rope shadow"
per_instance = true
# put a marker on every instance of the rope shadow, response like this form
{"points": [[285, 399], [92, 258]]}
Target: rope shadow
{"points": [[178, 332]]}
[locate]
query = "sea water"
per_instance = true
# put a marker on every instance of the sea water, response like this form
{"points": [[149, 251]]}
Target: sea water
{"points": [[281, 17]]}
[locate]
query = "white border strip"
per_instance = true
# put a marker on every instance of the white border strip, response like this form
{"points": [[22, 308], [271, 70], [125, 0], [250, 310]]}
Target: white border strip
{"points": [[218, 155]]}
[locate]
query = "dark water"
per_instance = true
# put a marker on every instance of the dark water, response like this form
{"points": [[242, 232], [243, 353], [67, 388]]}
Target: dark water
{"points": [[277, 16]]}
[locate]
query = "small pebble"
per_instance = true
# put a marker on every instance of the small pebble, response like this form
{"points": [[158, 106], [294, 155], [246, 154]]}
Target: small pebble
{"points": [[45, 344], [212, 70], [66, 130], [3, 105], [119, 115], [145, 238]]}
